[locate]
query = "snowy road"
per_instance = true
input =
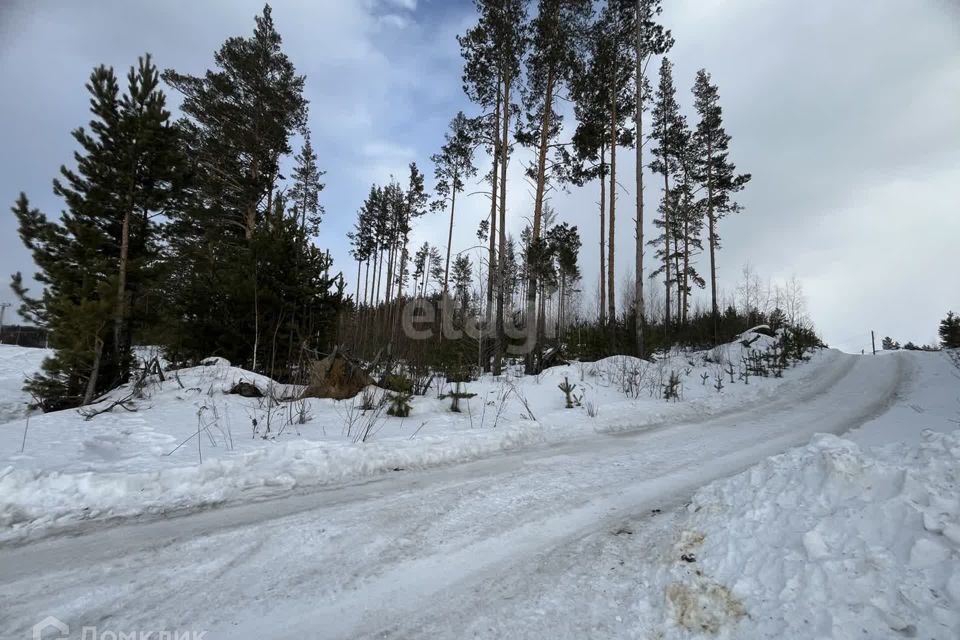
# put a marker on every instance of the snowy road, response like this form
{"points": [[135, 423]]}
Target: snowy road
{"points": [[413, 554]]}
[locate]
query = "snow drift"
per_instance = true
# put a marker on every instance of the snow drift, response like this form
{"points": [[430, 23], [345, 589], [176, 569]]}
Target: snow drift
{"points": [[187, 442], [827, 541]]}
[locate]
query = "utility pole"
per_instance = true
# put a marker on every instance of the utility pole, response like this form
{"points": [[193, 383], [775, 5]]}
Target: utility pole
{"points": [[3, 308], [873, 342]]}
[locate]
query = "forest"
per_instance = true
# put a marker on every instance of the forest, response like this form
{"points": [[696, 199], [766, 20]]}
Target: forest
{"points": [[183, 232]]}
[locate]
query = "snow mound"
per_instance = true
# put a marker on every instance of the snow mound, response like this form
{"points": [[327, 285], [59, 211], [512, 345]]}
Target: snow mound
{"points": [[829, 540], [32, 500], [185, 441]]}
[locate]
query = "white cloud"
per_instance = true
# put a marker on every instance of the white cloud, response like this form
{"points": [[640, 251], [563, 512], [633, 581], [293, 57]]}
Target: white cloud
{"points": [[409, 5]]}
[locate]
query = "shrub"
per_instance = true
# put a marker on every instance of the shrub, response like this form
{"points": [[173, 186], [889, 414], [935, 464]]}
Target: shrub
{"points": [[400, 406]]}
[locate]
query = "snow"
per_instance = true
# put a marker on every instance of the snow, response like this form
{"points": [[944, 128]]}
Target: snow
{"points": [[16, 363], [930, 401], [650, 520], [841, 538], [828, 540], [189, 444], [38, 499]]}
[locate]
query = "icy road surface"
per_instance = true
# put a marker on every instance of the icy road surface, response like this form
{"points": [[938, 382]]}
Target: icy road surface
{"points": [[430, 553]]}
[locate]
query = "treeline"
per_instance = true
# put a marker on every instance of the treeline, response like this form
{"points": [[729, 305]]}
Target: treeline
{"points": [[948, 330], [521, 64], [183, 233], [22, 335]]}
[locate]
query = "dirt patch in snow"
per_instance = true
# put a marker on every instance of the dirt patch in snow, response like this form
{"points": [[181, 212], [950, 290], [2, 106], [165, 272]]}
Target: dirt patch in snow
{"points": [[703, 605], [689, 541]]}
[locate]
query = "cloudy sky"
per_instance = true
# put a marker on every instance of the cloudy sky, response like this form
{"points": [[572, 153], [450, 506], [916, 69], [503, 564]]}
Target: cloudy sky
{"points": [[846, 113]]}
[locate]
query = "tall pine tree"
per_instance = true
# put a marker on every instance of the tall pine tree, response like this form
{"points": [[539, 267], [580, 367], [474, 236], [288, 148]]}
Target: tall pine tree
{"points": [[99, 262], [452, 166], [492, 51], [651, 39], [249, 287], [305, 193], [669, 132], [618, 24], [555, 50], [715, 172]]}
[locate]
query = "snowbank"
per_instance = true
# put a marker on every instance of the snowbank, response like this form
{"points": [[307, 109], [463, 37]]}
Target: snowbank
{"points": [[187, 442], [825, 541], [32, 500]]}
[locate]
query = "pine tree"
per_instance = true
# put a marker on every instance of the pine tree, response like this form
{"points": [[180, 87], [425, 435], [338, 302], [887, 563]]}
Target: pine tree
{"points": [[715, 172], [240, 120], [462, 279], [305, 193], [603, 94], [363, 239], [436, 271], [687, 227], [557, 38], [427, 266], [452, 166], [669, 128], [590, 141], [618, 23], [99, 263], [414, 206], [377, 213], [950, 331], [421, 268], [564, 246], [248, 285], [492, 51], [651, 39]]}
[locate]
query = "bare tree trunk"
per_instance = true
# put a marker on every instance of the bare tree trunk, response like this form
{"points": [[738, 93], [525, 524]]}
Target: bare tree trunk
{"points": [[492, 252], [121, 308], [677, 276], [639, 310], [711, 220], [357, 297], [603, 238], [401, 276], [453, 204], [250, 214], [256, 318], [611, 261], [378, 275], [535, 233], [426, 276], [499, 334], [686, 270], [391, 256], [561, 306], [666, 228], [91, 389], [366, 282]]}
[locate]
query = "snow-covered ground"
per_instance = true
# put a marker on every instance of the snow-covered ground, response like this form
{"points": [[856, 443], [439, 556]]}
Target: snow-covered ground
{"points": [[845, 537], [189, 444], [685, 528], [16, 363], [853, 537]]}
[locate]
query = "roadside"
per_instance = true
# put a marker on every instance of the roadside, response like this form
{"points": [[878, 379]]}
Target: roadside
{"points": [[367, 558]]}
